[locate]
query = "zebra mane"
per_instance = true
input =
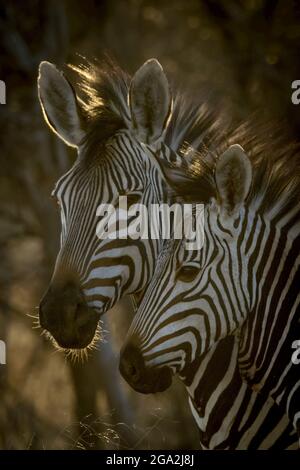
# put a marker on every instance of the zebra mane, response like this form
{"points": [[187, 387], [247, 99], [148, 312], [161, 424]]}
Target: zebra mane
{"points": [[275, 161], [199, 133], [103, 88]]}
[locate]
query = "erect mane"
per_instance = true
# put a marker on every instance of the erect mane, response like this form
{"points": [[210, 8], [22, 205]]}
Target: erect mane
{"points": [[103, 88], [275, 161], [197, 132]]}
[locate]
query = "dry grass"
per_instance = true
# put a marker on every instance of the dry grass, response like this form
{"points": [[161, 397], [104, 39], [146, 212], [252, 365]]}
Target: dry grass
{"points": [[38, 400]]}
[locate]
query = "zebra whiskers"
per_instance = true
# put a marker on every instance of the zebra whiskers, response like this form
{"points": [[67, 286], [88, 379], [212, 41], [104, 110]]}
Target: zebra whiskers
{"points": [[74, 355], [35, 319]]}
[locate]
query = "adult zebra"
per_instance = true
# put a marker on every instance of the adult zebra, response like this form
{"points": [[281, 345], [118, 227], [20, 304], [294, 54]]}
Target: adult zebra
{"points": [[112, 161], [197, 300], [117, 127]]}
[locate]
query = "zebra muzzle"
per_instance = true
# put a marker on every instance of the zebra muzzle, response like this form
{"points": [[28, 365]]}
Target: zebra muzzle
{"points": [[65, 314], [141, 378]]}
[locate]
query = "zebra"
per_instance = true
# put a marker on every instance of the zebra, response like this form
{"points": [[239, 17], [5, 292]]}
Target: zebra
{"points": [[226, 290], [229, 415], [119, 127]]}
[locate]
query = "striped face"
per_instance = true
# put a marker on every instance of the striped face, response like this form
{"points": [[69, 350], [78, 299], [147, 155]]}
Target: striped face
{"points": [[195, 298], [116, 132], [106, 269]]}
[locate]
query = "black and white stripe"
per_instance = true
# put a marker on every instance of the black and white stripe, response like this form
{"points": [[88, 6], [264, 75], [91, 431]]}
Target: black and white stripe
{"points": [[121, 128], [245, 281], [107, 269]]}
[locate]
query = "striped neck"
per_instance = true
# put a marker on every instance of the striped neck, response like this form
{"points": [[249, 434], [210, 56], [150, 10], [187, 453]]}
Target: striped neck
{"points": [[228, 413]]}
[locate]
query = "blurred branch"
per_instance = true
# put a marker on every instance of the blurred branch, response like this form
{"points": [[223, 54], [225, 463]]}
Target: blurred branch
{"points": [[54, 43], [16, 47]]}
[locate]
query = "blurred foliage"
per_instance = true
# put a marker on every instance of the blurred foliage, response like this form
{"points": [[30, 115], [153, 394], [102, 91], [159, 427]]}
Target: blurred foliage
{"points": [[245, 53]]}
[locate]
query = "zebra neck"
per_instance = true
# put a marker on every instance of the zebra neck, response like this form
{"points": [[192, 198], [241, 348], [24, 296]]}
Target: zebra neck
{"points": [[274, 321], [228, 413], [208, 382]]}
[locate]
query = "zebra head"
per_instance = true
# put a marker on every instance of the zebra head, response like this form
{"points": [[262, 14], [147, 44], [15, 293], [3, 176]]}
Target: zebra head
{"points": [[196, 297], [115, 130]]}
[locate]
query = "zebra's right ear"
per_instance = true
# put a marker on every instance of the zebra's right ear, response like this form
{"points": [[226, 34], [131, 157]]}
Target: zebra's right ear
{"points": [[59, 104], [150, 102], [233, 177]]}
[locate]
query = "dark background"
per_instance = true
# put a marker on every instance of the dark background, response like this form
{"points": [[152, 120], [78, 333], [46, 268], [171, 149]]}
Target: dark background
{"points": [[245, 54]]}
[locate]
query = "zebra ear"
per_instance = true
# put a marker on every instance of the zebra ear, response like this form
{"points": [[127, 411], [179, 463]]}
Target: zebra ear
{"points": [[233, 179], [150, 102], [59, 104]]}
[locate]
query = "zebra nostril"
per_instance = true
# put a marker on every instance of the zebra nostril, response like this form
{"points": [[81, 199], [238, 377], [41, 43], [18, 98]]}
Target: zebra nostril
{"points": [[131, 364], [85, 316], [132, 371], [82, 315]]}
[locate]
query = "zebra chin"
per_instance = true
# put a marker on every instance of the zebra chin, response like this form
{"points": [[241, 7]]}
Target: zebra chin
{"points": [[141, 378]]}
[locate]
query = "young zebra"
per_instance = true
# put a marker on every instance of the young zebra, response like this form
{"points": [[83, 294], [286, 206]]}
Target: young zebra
{"points": [[243, 282], [116, 128]]}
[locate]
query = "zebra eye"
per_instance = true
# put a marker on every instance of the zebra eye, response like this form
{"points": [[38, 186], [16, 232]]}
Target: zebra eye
{"points": [[133, 198], [187, 273]]}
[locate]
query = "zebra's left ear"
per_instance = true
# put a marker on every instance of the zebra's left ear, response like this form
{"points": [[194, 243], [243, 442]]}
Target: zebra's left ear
{"points": [[233, 179], [150, 102]]}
